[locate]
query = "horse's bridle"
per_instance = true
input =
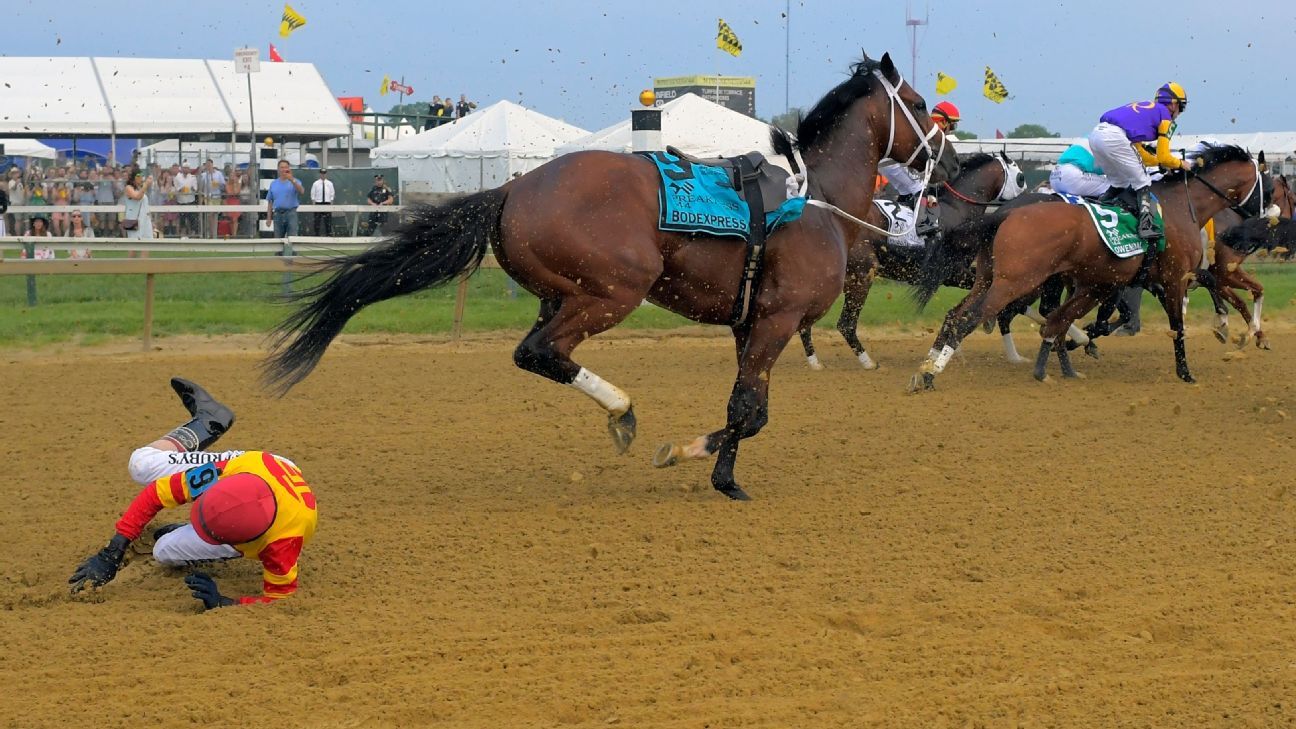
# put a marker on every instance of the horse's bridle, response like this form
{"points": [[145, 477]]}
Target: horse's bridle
{"points": [[1003, 189], [1238, 208], [924, 143]]}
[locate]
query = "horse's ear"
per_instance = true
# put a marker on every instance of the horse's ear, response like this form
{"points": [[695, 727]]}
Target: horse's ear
{"points": [[1260, 159], [888, 69], [1004, 153]]}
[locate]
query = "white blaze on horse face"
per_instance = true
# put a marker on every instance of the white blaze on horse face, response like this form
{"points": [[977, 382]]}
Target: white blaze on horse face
{"points": [[1255, 316], [603, 392]]}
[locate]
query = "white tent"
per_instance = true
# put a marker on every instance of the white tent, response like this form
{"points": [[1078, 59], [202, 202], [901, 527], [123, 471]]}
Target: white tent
{"points": [[482, 150], [163, 97], [26, 148], [168, 152], [695, 125]]}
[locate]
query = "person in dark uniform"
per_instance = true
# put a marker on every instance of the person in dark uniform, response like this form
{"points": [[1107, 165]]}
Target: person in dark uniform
{"points": [[379, 195]]}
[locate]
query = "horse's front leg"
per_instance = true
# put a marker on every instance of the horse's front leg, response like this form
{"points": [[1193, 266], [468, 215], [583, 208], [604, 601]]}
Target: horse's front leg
{"points": [[857, 291], [1176, 296], [748, 409], [1248, 282]]}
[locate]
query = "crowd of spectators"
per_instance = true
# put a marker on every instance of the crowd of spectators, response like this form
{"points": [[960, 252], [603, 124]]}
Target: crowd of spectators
{"points": [[441, 111], [82, 184]]}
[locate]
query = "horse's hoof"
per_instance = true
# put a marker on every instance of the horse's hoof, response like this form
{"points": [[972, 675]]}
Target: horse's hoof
{"points": [[987, 326], [1018, 359], [1262, 342], [622, 429], [869, 365], [1074, 375], [915, 384], [815, 365], [1221, 335], [1042, 377], [667, 455], [1091, 349], [733, 491], [1187, 377]]}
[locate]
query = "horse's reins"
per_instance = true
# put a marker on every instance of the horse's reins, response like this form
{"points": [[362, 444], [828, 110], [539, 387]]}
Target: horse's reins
{"points": [[983, 203], [893, 94], [1235, 207]]}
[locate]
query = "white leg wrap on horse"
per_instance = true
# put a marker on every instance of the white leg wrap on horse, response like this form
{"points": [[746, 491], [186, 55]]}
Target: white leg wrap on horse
{"points": [[813, 360], [1010, 348], [604, 393], [931, 354], [1077, 335], [1255, 315], [867, 361], [1033, 314], [942, 359], [1221, 320]]}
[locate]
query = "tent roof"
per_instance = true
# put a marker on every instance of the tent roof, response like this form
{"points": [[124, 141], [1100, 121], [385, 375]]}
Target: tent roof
{"points": [[503, 128], [151, 97], [694, 125], [27, 148]]}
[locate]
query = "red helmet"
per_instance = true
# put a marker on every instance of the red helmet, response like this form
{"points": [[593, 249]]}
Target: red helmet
{"points": [[235, 510], [946, 110]]}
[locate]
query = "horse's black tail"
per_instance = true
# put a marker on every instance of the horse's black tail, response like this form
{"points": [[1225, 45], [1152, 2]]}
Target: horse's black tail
{"points": [[436, 244], [953, 255]]}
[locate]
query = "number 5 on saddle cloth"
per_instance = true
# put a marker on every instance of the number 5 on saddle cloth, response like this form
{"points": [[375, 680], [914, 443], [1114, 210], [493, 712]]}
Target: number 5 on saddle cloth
{"points": [[741, 197]]}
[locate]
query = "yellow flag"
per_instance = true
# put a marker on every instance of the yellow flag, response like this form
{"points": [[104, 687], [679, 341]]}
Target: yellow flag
{"points": [[386, 86], [994, 90], [945, 84], [727, 40], [292, 20]]}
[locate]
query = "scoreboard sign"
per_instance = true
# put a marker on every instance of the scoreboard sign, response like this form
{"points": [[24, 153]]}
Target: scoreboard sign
{"points": [[732, 92]]}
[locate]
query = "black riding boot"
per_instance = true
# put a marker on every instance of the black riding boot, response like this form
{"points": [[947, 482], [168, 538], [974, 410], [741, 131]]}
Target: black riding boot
{"points": [[1147, 228], [210, 418]]}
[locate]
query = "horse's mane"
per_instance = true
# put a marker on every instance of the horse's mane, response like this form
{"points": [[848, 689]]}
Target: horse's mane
{"points": [[1212, 156], [974, 161], [828, 111]]}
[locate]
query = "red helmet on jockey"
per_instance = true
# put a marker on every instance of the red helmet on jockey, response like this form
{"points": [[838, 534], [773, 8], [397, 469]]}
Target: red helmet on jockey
{"points": [[947, 111], [235, 510]]}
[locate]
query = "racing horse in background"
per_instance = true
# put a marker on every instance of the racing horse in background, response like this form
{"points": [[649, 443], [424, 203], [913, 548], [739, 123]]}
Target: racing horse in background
{"points": [[1033, 243], [581, 233], [983, 180], [1237, 240]]}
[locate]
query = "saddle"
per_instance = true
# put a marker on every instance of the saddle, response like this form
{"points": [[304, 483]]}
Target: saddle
{"points": [[746, 170], [708, 196]]}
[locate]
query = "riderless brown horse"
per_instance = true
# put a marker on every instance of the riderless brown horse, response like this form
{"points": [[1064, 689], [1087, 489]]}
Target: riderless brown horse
{"points": [[1237, 240], [983, 180], [1038, 241], [581, 233]]}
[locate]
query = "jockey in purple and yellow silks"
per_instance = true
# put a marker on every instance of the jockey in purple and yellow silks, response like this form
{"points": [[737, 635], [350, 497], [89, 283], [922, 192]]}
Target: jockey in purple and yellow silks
{"points": [[1118, 149]]}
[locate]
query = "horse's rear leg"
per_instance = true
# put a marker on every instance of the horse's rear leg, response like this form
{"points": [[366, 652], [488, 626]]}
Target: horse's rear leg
{"points": [[1060, 320], [1005, 318], [999, 295], [547, 349]]}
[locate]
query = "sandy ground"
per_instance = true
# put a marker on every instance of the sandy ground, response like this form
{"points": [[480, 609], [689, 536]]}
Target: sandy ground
{"points": [[1110, 552]]}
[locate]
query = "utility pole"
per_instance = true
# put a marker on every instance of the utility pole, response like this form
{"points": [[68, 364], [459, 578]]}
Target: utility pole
{"points": [[912, 23]]}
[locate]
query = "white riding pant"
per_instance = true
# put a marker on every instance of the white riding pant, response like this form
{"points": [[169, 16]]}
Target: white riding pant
{"points": [[182, 546], [1072, 180], [148, 464], [903, 179], [1114, 153]]}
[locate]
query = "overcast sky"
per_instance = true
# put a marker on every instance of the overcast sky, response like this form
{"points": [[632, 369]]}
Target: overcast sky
{"points": [[1063, 62]]}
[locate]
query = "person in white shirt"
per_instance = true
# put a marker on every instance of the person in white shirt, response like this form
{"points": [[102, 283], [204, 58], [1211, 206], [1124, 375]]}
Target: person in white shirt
{"points": [[322, 194], [80, 229], [186, 186], [211, 185]]}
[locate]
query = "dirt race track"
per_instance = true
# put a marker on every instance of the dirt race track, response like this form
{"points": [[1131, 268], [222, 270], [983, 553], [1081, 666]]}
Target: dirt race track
{"points": [[1110, 552]]}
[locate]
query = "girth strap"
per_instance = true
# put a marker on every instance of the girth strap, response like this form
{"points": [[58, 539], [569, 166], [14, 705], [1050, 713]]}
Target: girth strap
{"points": [[754, 261]]}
